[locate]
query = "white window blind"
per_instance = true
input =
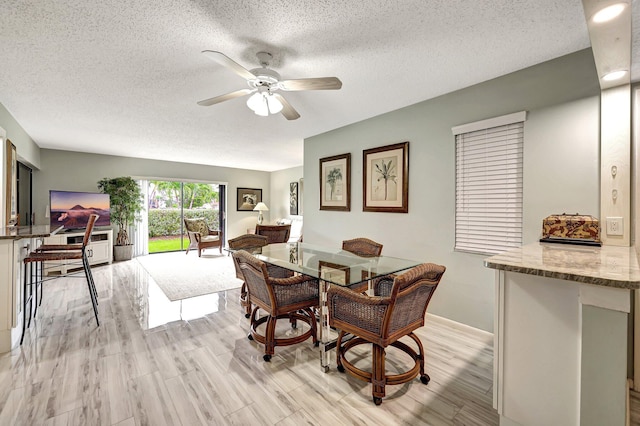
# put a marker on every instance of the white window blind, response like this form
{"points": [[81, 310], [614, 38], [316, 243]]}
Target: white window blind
{"points": [[489, 189]]}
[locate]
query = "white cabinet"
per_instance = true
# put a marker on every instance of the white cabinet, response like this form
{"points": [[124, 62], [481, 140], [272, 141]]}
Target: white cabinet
{"points": [[99, 250]]}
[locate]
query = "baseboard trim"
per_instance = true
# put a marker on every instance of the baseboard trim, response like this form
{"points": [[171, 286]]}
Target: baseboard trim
{"points": [[460, 326]]}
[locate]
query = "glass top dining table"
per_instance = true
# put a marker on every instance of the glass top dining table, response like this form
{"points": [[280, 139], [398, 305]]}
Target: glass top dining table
{"points": [[331, 266]]}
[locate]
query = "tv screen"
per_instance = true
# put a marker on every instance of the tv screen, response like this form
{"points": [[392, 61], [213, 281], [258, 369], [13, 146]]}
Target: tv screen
{"points": [[72, 209]]}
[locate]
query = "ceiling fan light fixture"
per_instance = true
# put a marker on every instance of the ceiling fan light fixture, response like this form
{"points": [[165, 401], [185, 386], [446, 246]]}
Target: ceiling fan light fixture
{"points": [[264, 103], [275, 106]]}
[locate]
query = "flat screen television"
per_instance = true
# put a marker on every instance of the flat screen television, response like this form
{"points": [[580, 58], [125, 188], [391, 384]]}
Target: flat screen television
{"points": [[72, 209]]}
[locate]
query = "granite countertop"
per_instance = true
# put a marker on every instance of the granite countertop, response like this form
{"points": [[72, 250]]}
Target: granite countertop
{"points": [[606, 266], [20, 232]]}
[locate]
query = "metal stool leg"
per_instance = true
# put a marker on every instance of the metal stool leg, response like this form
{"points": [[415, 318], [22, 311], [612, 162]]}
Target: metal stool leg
{"points": [[87, 272], [26, 299], [93, 283]]}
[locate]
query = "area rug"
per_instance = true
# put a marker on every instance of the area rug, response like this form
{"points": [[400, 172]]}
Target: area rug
{"points": [[183, 276]]}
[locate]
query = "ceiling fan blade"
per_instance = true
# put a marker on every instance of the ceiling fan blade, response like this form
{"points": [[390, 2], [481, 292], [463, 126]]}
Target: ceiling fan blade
{"points": [[223, 59], [287, 110], [222, 98], [322, 83]]}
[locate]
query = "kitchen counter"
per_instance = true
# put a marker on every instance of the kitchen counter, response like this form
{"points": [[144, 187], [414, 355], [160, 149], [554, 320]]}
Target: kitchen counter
{"points": [[15, 244], [19, 232], [604, 266], [561, 333]]}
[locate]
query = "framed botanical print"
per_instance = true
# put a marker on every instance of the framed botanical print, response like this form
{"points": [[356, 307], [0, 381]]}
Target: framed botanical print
{"points": [[385, 183], [335, 183], [247, 198]]}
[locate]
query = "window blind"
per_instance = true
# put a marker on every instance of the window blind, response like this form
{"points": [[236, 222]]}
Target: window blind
{"points": [[489, 189]]}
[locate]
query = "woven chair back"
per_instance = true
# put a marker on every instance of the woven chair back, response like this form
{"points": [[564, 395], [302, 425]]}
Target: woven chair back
{"points": [[362, 247], [274, 233], [247, 241], [255, 276]]}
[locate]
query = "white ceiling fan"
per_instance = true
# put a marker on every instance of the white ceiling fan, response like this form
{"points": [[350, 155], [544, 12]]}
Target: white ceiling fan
{"points": [[264, 83]]}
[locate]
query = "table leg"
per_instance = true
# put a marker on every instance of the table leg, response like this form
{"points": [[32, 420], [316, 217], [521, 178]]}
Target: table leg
{"points": [[324, 327]]}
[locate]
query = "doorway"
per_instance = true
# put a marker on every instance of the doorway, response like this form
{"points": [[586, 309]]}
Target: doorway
{"points": [[170, 202], [25, 187]]}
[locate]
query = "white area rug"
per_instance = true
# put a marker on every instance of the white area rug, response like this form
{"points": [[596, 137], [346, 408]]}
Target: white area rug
{"points": [[183, 276]]}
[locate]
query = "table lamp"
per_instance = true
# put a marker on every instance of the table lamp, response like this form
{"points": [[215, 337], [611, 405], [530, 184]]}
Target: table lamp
{"points": [[260, 207]]}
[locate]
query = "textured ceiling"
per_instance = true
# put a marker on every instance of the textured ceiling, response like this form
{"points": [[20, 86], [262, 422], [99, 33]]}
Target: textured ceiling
{"points": [[123, 78]]}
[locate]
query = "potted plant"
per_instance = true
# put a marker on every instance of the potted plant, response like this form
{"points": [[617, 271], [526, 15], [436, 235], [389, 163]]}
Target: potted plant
{"points": [[126, 204]]}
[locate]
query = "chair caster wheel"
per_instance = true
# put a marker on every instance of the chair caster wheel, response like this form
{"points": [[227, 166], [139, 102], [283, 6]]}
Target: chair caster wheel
{"points": [[267, 358], [294, 325], [377, 400], [341, 369], [425, 379], [316, 344], [250, 337], [247, 315]]}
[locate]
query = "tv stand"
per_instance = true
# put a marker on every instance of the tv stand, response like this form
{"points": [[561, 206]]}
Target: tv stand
{"points": [[99, 250]]}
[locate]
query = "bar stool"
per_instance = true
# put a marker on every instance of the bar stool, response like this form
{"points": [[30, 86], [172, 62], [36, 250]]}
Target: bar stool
{"points": [[47, 253]]}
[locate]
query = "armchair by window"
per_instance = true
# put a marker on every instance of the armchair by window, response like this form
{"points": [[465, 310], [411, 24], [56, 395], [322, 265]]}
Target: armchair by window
{"points": [[397, 309], [201, 237]]}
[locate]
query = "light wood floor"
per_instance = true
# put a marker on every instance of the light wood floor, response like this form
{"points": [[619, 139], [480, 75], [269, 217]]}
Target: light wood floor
{"points": [[155, 362]]}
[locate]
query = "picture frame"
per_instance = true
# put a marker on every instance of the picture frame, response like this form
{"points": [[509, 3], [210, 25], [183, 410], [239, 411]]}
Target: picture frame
{"points": [[333, 272], [293, 198], [385, 179], [335, 183], [247, 198], [12, 184]]}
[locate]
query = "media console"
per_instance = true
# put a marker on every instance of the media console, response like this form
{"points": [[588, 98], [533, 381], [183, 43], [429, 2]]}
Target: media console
{"points": [[99, 249]]}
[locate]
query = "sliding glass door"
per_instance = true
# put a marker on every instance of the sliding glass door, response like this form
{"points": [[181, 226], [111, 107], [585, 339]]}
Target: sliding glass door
{"points": [[171, 201]]}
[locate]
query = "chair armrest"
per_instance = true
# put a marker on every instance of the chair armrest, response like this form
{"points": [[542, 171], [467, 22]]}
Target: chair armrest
{"points": [[195, 236], [295, 280], [295, 289], [352, 311], [382, 285], [213, 231], [345, 294]]}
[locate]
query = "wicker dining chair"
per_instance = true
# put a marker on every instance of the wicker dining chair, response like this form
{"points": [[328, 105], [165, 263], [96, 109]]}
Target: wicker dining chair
{"points": [[397, 309], [290, 298], [363, 247], [252, 241], [275, 233]]}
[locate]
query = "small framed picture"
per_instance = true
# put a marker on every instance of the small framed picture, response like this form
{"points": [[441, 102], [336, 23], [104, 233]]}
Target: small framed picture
{"points": [[385, 183], [332, 272], [335, 183], [293, 198], [248, 198]]}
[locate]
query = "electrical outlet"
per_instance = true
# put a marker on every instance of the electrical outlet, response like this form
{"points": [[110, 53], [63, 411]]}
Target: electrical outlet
{"points": [[615, 226]]}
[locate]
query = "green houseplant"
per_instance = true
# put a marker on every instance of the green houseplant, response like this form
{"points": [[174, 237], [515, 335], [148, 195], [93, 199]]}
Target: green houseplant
{"points": [[126, 204]]}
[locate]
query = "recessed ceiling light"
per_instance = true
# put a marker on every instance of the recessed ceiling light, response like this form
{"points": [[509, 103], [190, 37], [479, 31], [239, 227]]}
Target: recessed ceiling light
{"points": [[615, 75], [609, 12]]}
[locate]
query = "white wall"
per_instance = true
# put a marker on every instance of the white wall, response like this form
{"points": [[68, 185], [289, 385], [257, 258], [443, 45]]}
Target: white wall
{"points": [[75, 171], [561, 97], [280, 180], [27, 150], [561, 163]]}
